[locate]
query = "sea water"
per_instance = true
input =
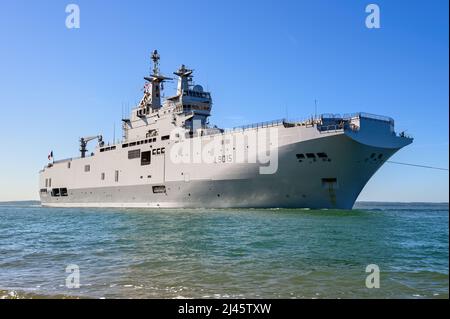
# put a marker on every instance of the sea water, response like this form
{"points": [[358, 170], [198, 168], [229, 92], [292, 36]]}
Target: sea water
{"points": [[224, 253]]}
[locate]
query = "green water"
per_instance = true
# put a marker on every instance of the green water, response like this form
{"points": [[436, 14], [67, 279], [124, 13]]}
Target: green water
{"points": [[225, 253]]}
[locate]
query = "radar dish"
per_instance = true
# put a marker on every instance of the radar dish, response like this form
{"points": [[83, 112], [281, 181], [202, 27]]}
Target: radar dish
{"points": [[197, 88]]}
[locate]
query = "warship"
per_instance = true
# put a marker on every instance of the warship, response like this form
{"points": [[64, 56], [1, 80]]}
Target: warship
{"points": [[170, 156]]}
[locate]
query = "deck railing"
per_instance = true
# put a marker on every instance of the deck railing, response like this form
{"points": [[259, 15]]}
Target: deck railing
{"points": [[358, 115], [258, 125]]}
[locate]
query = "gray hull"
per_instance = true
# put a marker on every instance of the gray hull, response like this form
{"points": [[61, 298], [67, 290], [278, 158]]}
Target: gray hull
{"points": [[333, 182]]}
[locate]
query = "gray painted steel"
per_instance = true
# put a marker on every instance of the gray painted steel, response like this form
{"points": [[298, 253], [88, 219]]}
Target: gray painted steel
{"points": [[347, 150]]}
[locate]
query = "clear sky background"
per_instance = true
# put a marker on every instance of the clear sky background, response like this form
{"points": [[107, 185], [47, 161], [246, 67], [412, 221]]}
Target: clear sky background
{"points": [[262, 60]]}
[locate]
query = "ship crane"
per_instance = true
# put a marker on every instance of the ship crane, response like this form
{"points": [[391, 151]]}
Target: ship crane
{"points": [[85, 140]]}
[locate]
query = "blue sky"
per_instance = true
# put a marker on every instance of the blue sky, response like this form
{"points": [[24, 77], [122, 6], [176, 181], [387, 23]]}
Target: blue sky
{"points": [[262, 60]]}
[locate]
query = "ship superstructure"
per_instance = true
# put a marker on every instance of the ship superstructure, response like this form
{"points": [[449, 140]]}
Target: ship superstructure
{"points": [[171, 157]]}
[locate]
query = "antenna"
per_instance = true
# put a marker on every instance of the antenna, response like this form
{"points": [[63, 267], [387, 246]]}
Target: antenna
{"points": [[155, 58], [315, 108], [114, 133]]}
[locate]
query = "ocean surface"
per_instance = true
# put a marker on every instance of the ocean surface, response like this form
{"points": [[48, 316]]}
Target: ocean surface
{"points": [[224, 253]]}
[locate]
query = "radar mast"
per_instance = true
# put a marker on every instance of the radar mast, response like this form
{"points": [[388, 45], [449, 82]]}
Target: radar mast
{"points": [[155, 58], [152, 92], [185, 76]]}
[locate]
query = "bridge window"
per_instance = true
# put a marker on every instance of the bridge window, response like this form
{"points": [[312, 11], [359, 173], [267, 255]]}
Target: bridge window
{"points": [[165, 137], [145, 158], [87, 168], [310, 155], [322, 155], [300, 156]]}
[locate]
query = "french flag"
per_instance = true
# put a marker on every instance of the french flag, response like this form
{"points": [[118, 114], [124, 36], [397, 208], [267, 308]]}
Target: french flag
{"points": [[50, 156]]}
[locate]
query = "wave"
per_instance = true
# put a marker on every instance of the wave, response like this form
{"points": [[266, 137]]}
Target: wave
{"points": [[18, 294]]}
